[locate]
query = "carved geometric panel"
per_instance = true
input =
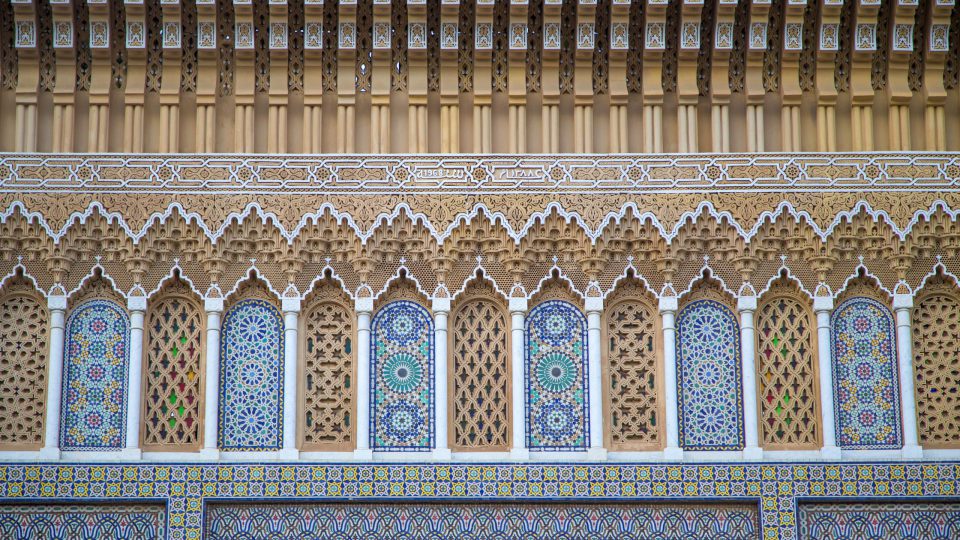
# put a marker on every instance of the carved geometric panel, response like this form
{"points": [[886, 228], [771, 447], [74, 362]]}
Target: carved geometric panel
{"points": [[467, 521], [869, 521], [251, 377], [866, 390], [708, 377], [24, 346], [95, 377], [480, 372], [329, 374], [83, 521], [786, 372], [173, 371], [632, 370], [936, 343], [401, 368], [557, 401]]}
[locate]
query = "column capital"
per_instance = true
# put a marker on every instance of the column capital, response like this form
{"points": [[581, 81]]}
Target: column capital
{"points": [[902, 301], [747, 303], [213, 304], [57, 302], [669, 304], [363, 305], [441, 305], [137, 303], [290, 305], [822, 303], [518, 305], [593, 304]]}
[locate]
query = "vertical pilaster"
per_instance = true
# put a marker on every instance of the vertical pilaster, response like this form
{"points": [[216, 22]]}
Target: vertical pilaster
{"points": [[902, 305], [213, 307], [291, 314], [594, 307], [746, 305], [518, 312], [668, 315], [137, 306], [441, 309], [822, 306], [363, 308], [57, 306]]}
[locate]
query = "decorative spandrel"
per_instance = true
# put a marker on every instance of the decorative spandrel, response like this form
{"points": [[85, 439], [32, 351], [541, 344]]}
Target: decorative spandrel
{"points": [[709, 377], [555, 376], [95, 377], [865, 386], [251, 377], [401, 368]]}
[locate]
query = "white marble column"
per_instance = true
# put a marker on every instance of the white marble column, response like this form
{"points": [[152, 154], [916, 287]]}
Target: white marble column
{"points": [[823, 306], [213, 308], [902, 306], [746, 305], [363, 308], [518, 311], [291, 314], [441, 309], [137, 306], [57, 306], [668, 314], [594, 307]]}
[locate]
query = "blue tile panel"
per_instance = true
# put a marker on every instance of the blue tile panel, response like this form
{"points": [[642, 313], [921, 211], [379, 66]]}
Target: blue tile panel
{"points": [[555, 378], [43, 520], [94, 407], [875, 520]]}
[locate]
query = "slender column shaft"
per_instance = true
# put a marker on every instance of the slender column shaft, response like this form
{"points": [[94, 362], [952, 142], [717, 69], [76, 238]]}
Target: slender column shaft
{"points": [[137, 307], [594, 307], [902, 305], [213, 308], [441, 308], [291, 313], [57, 306], [746, 305], [518, 310], [823, 306], [364, 306], [668, 312]]}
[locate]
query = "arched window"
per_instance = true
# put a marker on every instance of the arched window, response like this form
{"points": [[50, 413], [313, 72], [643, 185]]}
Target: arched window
{"points": [[401, 366], [479, 375], [936, 342], [24, 333], [866, 389], [555, 376], [787, 370], [173, 370], [709, 372], [328, 388], [251, 374], [631, 370], [95, 371]]}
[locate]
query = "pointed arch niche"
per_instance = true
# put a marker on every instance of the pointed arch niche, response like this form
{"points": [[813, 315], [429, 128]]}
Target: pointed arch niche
{"points": [[96, 359], [251, 371], [173, 371], [479, 370], [402, 415], [936, 362], [24, 333], [633, 368], [865, 382], [328, 370], [710, 385], [788, 383]]}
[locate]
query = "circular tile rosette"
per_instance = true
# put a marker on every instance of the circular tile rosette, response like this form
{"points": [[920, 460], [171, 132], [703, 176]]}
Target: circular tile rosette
{"points": [[557, 373], [557, 325], [402, 423], [402, 373], [558, 423], [405, 325]]}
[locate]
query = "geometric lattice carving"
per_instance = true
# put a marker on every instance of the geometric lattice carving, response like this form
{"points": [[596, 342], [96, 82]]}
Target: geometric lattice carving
{"points": [[329, 372], [480, 372], [402, 373], [708, 373], [632, 369], [173, 371], [23, 366], [556, 379], [936, 342], [786, 371]]}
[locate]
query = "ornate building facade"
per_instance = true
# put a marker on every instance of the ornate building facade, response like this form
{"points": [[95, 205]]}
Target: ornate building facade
{"points": [[480, 269]]}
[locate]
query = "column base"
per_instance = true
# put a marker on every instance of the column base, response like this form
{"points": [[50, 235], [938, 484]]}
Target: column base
{"points": [[912, 451], [752, 453], [519, 454], [673, 453], [363, 454], [131, 454], [441, 454], [288, 454], [597, 454], [50, 453], [830, 453], [210, 454]]}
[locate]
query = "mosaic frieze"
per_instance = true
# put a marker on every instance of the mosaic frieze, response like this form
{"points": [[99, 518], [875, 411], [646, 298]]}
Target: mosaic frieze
{"points": [[82, 521], [878, 520], [401, 368], [251, 377], [556, 377], [482, 521], [95, 377], [865, 382], [708, 377]]}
